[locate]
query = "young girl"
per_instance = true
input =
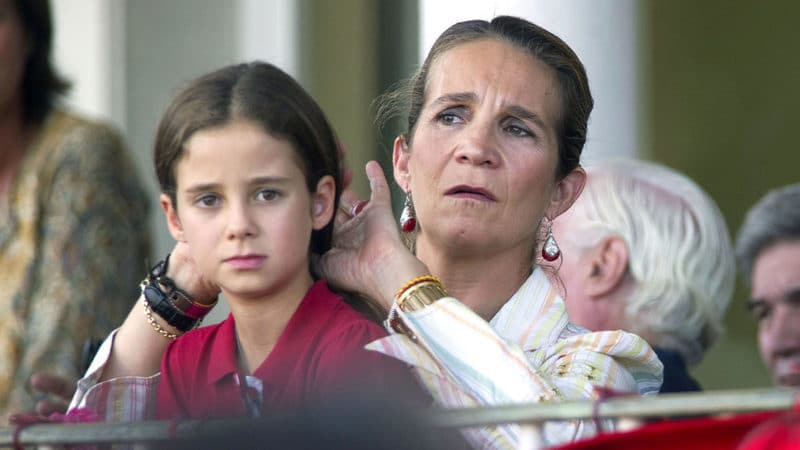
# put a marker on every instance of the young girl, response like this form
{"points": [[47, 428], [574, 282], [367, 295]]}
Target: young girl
{"points": [[249, 174]]}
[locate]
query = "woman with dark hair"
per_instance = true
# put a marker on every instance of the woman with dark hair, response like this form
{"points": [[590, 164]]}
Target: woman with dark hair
{"points": [[73, 215], [497, 120]]}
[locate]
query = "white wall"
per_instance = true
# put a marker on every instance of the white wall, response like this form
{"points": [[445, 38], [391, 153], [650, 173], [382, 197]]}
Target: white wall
{"points": [[605, 36]]}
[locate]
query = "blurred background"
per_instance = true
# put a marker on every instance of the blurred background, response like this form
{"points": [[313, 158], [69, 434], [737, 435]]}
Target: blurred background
{"points": [[709, 88]]}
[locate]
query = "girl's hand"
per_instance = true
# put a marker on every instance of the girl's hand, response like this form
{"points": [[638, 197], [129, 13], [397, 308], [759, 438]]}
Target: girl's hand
{"points": [[368, 255], [184, 272]]}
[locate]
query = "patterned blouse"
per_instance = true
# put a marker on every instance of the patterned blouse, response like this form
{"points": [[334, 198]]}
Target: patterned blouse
{"points": [[528, 353], [73, 246]]}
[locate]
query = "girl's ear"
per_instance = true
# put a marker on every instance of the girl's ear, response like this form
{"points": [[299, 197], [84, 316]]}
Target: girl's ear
{"points": [[400, 155], [322, 202], [173, 221]]}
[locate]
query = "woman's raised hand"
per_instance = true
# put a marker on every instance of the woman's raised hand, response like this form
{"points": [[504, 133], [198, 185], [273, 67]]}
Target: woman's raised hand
{"points": [[368, 255]]}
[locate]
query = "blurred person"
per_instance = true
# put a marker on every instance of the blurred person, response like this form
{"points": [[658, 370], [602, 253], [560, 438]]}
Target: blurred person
{"points": [[646, 250], [73, 215], [768, 251]]}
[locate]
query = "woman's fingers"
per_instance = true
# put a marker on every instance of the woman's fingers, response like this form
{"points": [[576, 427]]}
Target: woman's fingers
{"points": [[47, 406], [377, 184], [53, 384], [348, 202]]}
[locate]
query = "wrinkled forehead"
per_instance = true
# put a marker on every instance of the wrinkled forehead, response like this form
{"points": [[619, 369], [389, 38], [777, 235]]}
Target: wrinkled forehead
{"points": [[498, 71]]}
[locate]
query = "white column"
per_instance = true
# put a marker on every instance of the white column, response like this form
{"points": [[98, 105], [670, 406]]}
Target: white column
{"points": [[605, 34], [268, 31], [88, 49]]}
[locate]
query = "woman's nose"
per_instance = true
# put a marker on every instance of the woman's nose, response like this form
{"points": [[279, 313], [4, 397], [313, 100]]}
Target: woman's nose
{"points": [[478, 146]]}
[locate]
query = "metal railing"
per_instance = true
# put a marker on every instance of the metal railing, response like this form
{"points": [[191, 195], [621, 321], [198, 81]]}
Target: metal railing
{"points": [[665, 405]]}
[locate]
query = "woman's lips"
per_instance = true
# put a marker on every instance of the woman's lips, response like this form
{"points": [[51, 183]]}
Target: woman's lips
{"points": [[470, 192], [247, 262]]}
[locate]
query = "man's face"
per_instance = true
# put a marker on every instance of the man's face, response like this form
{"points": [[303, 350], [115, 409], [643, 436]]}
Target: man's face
{"points": [[775, 304]]}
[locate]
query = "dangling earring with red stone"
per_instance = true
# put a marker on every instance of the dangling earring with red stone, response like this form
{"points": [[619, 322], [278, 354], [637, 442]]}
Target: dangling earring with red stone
{"points": [[408, 217], [550, 250]]}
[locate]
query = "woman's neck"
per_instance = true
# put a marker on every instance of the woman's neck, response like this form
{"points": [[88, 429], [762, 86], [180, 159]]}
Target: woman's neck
{"points": [[260, 322], [13, 141], [483, 281]]}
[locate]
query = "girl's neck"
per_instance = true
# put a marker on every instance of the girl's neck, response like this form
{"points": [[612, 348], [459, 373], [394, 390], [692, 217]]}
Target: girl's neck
{"points": [[260, 321], [483, 281]]}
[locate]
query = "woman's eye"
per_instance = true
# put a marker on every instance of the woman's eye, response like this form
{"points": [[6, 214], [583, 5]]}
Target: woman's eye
{"points": [[518, 131], [207, 201], [449, 118], [267, 195]]}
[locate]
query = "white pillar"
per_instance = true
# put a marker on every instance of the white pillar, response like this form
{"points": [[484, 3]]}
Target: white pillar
{"points": [[605, 34], [88, 50], [268, 31]]}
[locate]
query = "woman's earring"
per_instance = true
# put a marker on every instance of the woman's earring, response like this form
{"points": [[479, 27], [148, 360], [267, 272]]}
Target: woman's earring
{"points": [[550, 250], [408, 217]]}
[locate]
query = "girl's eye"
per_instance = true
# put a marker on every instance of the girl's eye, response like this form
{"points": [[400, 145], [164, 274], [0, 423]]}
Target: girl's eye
{"points": [[267, 195], [207, 201]]}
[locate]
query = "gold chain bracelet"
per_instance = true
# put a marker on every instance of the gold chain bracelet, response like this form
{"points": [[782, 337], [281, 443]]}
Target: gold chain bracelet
{"points": [[148, 313]]}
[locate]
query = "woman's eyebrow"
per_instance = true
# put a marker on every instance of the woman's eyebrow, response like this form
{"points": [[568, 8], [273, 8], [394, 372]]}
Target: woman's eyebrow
{"points": [[525, 114], [458, 97]]}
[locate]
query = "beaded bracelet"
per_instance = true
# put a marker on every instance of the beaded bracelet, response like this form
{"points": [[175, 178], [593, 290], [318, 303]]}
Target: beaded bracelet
{"points": [[415, 281], [148, 313]]}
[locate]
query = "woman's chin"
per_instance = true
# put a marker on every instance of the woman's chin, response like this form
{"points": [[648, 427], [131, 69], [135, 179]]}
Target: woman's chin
{"points": [[471, 238]]}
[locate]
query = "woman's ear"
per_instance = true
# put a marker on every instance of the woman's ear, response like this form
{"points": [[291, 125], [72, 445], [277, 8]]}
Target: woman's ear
{"points": [[322, 202], [173, 221], [566, 192], [400, 155]]}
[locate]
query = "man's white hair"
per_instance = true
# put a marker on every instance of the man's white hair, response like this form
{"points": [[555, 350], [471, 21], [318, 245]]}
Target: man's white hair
{"points": [[680, 253]]}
